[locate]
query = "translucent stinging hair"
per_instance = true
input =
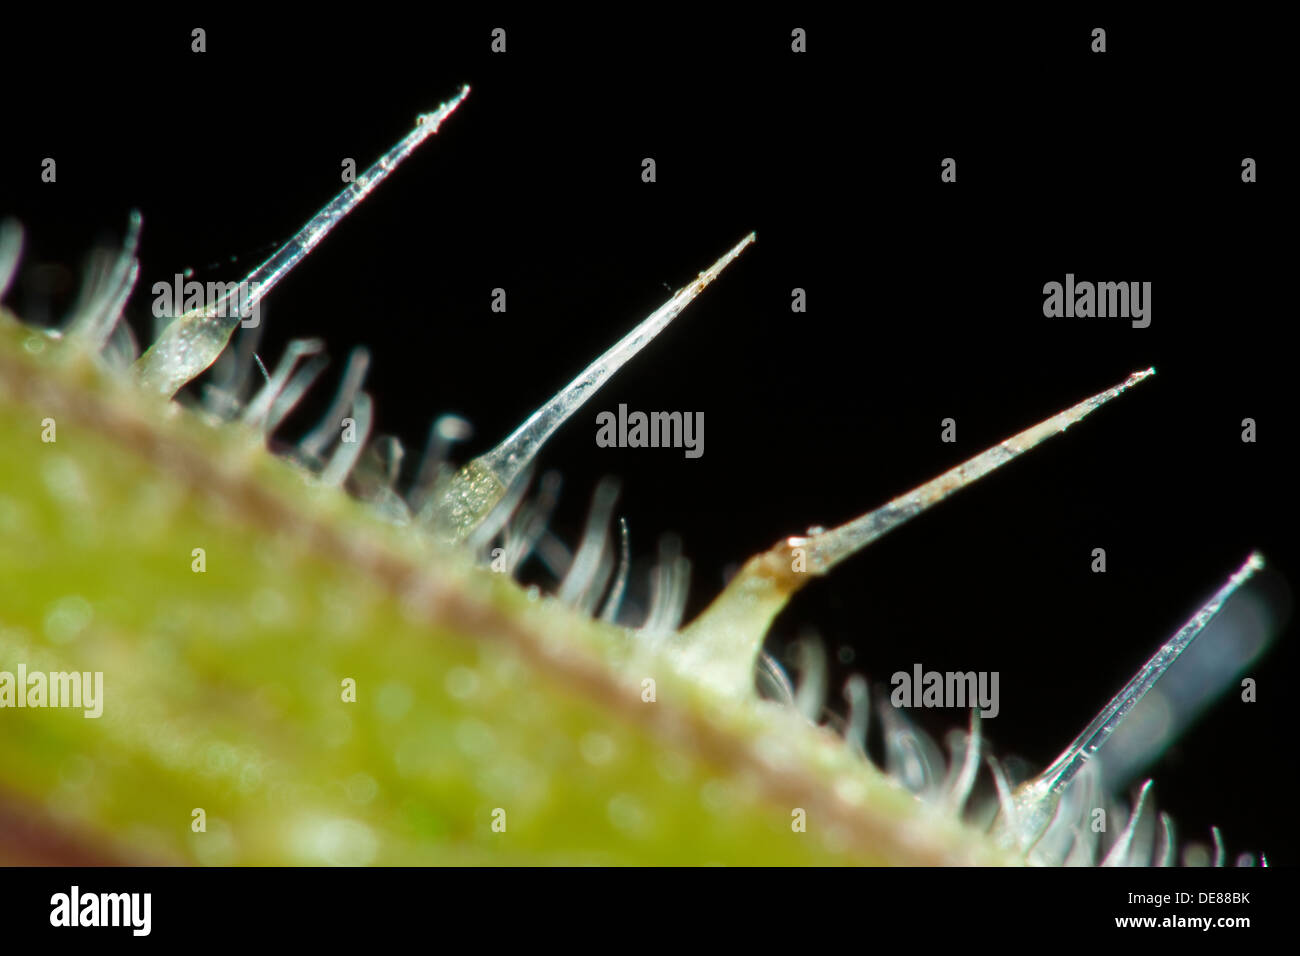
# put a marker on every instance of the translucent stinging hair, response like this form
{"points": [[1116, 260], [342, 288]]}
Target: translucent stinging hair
{"points": [[192, 342], [479, 485], [1034, 803], [723, 642]]}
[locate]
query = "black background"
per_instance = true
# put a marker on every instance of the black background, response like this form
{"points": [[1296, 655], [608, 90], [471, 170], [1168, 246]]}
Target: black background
{"points": [[924, 298]]}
